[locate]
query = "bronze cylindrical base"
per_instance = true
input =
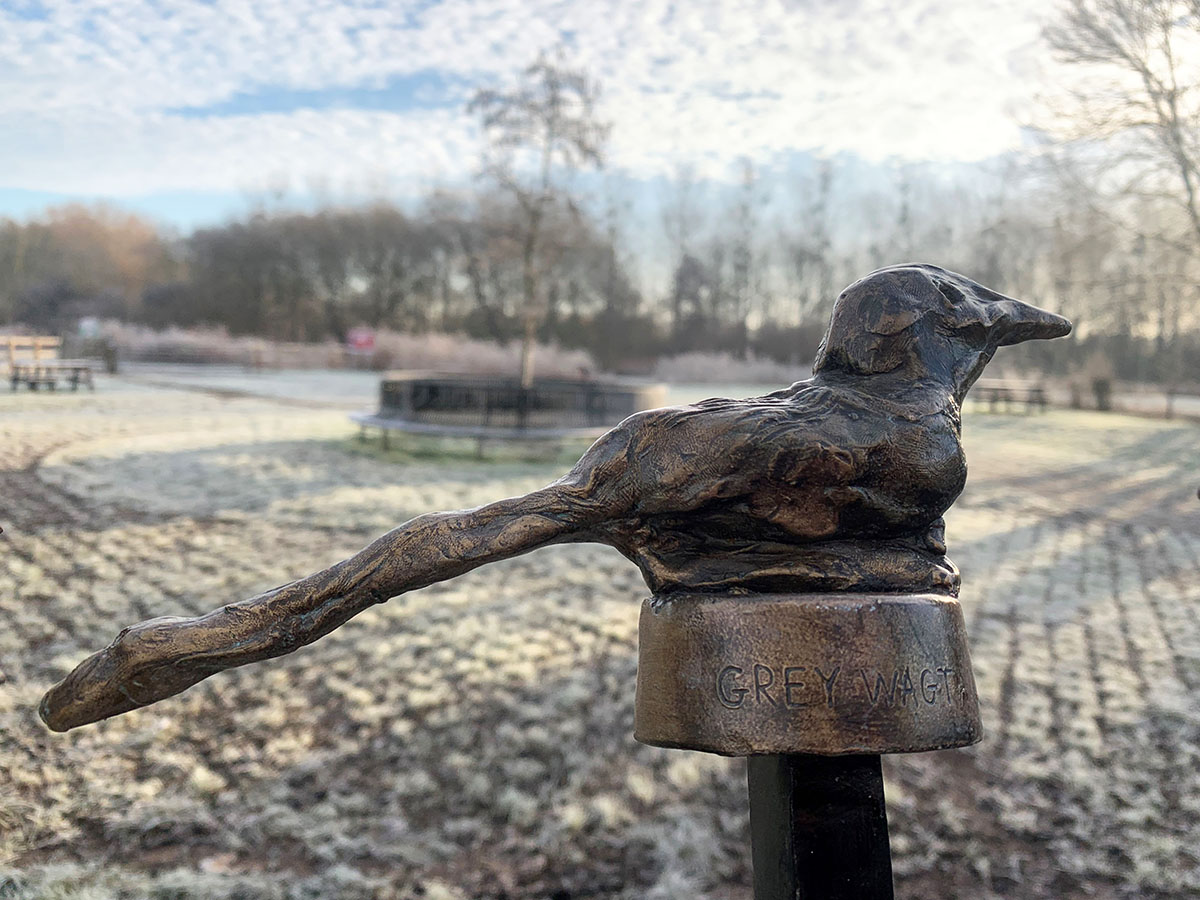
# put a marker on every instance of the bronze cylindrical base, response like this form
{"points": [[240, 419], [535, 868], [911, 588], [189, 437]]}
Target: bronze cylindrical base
{"points": [[829, 674]]}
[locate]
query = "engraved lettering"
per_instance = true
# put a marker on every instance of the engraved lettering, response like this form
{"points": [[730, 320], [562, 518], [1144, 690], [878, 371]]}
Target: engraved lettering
{"points": [[828, 681], [760, 686], [789, 686], [945, 671], [880, 684], [907, 689], [731, 696], [929, 687]]}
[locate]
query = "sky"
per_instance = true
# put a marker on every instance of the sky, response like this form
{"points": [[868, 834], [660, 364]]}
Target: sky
{"points": [[184, 109]]}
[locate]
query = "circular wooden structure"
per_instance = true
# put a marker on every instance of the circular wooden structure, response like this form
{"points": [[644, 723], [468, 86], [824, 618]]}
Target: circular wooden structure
{"points": [[483, 407]]}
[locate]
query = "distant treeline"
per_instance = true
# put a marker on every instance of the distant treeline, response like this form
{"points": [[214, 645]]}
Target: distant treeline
{"points": [[752, 278], [300, 276]]}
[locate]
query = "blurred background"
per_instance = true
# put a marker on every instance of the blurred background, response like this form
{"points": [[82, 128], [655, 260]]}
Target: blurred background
{"points": [[693, 184], [240, 215]]}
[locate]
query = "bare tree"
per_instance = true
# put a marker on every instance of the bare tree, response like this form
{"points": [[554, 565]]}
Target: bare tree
{"points": [[807, 246], [1140, 93], [748, 260], [546, 124], [681, 214]]}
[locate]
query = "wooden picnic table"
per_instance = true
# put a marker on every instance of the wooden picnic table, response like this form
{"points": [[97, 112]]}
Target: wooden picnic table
{"points": [[34, 361]]}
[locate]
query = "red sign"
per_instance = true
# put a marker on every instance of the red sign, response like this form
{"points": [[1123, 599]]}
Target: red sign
{"points": [[360, 339]]}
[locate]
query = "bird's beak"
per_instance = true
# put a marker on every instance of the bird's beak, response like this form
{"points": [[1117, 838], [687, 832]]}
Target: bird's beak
{"points": [[1019, 322]]}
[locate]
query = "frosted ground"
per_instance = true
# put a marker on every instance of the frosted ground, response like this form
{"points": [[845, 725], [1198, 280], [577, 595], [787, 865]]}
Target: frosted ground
{"points": [[474, 739]]}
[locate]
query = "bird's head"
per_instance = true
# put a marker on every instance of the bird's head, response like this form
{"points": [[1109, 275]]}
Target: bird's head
{"points": [[929, 323]]}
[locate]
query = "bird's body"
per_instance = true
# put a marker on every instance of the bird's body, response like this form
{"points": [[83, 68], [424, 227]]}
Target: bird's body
{"points": [[836, 483], [809, 463], [792, 476]]}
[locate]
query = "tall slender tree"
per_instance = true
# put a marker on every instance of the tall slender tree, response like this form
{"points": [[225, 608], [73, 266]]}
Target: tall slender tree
{"points": [[545, 127], [1139, 94]]}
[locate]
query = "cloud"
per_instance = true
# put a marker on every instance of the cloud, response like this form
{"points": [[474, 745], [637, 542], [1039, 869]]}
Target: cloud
{"points": [[129, 96], [249, 153]]}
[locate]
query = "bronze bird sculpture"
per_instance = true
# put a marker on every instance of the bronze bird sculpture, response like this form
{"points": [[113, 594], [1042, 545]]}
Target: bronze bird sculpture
{"points": [[835, 483]]}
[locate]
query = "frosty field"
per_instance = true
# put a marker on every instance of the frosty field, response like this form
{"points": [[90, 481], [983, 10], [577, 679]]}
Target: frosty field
{"points": [[474, 739]]}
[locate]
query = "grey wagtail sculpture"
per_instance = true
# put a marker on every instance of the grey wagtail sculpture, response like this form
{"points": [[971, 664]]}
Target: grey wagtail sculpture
{"points": [[835, 483]]}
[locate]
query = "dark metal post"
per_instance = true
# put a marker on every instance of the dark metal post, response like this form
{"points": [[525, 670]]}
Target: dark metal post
{"points": [[818, 828]]}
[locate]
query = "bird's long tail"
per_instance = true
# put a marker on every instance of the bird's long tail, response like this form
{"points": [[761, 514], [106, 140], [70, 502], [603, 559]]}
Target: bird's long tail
{"points": [[160, 657]]}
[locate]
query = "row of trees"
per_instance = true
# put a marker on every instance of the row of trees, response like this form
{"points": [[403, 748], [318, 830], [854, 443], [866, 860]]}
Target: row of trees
{"points": [[747, 278], [77, 261], [1102, 222]]}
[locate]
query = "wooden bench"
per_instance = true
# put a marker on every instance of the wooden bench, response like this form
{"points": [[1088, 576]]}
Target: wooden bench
{"points": [[994, 391], [34, 361]]}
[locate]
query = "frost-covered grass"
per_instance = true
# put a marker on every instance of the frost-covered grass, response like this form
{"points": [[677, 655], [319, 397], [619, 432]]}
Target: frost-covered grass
{"points": [[474, 739]]}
